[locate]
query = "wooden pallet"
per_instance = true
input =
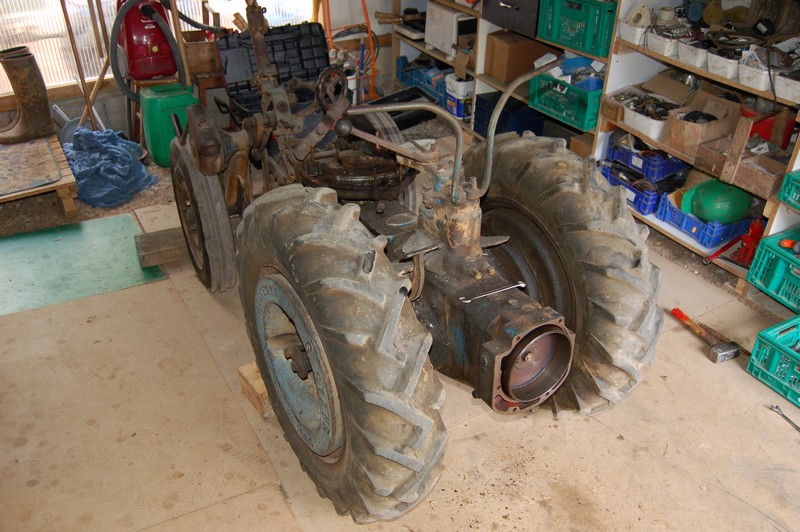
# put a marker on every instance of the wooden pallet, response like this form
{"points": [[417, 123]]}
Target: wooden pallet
{"points": [[65, 188]]}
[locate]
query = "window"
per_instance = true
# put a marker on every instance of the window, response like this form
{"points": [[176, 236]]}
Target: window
{"points": [[39, 24]]}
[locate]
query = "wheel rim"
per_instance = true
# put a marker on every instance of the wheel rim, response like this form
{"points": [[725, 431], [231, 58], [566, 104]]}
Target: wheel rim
{"points": [[298, 366], [531, 256], [187, 211]]}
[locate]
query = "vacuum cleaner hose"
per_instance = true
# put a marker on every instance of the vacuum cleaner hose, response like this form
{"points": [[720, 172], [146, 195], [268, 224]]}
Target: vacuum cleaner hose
{"points": [[114, 63]]}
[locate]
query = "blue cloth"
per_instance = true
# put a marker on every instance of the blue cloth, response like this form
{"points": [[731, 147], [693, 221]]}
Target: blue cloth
{"points": [[106, 167]]}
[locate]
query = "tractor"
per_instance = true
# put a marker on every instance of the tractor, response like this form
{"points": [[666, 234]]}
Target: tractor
{"points": [[366, 264]]}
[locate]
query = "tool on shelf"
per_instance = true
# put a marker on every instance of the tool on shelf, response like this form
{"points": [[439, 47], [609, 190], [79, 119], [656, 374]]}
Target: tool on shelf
{"points": [[708, 260], [721, 348]]}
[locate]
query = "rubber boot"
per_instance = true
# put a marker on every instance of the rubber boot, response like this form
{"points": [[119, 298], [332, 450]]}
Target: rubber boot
{"points": [[8, 52], [33, 109]]}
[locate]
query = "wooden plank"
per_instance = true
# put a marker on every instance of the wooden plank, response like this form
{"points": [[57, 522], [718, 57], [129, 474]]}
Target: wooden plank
{"points": [[161, 247], [253, 388], [738, 147]]}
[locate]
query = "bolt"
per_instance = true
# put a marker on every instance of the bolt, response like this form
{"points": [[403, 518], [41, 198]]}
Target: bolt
{"points": [[477, 276], [528, 357]]}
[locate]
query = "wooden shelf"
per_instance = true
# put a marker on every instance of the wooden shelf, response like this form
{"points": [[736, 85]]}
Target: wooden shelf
{"points": [[436, 54], [600, 58], [702, 72], [652, 142], [459, 7], [520, 94], [673, 233]]}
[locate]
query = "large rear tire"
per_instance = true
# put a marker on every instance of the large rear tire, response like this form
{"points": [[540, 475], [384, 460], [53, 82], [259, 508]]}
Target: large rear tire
{"points": [[341, 352], [204, 220], [580, 252]]}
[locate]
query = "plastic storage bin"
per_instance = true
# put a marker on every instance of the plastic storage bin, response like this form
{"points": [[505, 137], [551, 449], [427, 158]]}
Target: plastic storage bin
{"points": [[722, 66], [584, 25], [576, 105], [753, 77], [692, 55], [708, 234], [644, 201], [632, 34], [662, 45], [776, 271], [649, 127], [787, 88], [516, 116], [416, 78], [653, 166], [790, 190], [158, 104], [775, 361]]}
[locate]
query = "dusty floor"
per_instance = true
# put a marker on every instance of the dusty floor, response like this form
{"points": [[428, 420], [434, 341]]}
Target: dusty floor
{"points": [[124, 412]]}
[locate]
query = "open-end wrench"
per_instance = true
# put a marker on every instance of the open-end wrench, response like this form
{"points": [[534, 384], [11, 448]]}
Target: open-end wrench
{"points": [[776, 408]]}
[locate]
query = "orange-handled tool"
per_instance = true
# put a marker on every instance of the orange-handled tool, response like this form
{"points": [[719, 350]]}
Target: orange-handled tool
{"points": [[697, 329]]}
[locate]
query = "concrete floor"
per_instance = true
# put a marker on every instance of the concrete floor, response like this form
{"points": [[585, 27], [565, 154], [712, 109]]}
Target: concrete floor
{"points": [[123, 412]]}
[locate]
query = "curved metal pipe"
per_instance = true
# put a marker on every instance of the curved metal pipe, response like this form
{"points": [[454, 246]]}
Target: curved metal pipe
{"points": [[501, 103], [394, 107]]}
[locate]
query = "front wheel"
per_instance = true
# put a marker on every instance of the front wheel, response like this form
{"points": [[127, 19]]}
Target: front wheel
{"points": [[341, 352], [204, 220], [579, 251]]}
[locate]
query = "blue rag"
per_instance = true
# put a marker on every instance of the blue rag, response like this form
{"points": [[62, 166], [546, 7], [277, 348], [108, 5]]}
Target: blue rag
{"points": [[106, 167]]}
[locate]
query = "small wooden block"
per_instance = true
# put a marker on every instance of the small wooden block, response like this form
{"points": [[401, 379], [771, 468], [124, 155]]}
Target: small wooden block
{"points": [[160, 247], [253, 388]]}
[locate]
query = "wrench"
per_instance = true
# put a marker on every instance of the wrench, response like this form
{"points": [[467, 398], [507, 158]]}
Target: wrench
{"points": [[776, 408], [465, 299]]}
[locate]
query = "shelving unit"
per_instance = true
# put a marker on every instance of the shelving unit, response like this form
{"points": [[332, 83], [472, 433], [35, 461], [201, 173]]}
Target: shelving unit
{"points": [[631, 64], [483, 82]]}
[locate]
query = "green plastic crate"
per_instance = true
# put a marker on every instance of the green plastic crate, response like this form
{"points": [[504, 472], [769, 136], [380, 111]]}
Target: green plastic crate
{"points": [[576, 105], [775, 361], [776, 270], [790, 190], [158, 104], [585, 25]]}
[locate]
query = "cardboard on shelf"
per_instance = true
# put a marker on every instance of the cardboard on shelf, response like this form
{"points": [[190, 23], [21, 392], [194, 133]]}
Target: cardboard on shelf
{"points": [[665, 85], [509, 55], [465, 58], [582, 144], [686, 137]]}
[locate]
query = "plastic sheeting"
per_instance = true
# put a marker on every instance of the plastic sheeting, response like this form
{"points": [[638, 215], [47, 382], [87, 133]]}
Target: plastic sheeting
{"points": [[106, 167]]}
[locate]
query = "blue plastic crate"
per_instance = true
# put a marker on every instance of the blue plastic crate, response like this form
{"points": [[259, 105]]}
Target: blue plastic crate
{"points": [[417, 78], [708, 234], [653, 166], [516, 116], [775, 360], [644, 201]]}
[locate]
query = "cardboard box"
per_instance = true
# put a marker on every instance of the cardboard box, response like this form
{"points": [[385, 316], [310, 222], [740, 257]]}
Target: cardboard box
{"points": [[664, 85], [686, 137], [201, 53], [582, 144], [613, 104], [465, 58], [509, 55], [760, 175]]}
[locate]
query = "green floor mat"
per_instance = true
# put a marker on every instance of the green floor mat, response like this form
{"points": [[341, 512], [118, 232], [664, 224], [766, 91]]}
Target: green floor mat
{"points": [[70, 262]]}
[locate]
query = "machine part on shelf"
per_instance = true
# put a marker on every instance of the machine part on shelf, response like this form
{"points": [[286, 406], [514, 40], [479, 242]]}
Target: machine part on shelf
{"points": [[794, 245], [651, 106], [710, 258], [365, 422], [488, 293], [728, 40], [747, 252], [720, 349], [776, 408], [698, 117], [33, 109], [204, 219], [569, 257]]}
